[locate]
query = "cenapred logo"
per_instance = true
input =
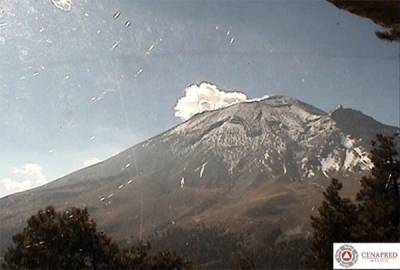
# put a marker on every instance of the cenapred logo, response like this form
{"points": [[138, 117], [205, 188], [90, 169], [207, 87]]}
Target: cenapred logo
{"points": [[366, 256], [346, 255]]}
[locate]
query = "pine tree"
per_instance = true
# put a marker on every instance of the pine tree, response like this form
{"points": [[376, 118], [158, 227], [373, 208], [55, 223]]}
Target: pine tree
{"points": [[70, 240], [244, 263], [383, 12], [379, 204], [139, 257], [53, 240], [334, 223], [169, 260]]}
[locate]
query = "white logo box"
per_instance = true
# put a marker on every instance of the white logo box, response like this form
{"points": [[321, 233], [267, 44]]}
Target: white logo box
{"points": [[366, 256]]}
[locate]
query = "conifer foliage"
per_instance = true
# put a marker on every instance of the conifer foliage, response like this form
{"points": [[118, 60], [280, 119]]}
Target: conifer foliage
{"points": [[374, 217], [336, 217], [70, 240], [67, 240], [378, 198]]}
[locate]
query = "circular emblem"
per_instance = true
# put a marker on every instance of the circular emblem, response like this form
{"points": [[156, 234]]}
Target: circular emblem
{"points": [[346, 256]]}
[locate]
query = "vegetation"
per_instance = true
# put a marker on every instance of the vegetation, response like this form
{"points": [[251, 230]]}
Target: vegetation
{"points": [[374, 217], [383, 12], [283, 254], [70, 240], [204, 246], [334, 224], [245, 263], [216, 248], [139, 257], [379, 204]]}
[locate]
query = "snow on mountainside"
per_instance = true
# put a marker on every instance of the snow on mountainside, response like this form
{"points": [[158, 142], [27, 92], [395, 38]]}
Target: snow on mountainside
{"points": [[277, 136], [269, 156]]}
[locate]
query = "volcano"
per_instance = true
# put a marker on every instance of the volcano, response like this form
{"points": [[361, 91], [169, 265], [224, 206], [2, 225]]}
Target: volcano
{"points": [[248, 167]]}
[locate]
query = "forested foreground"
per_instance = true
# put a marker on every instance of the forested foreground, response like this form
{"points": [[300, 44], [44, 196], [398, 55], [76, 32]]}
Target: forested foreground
{"points": [[70, 239]]}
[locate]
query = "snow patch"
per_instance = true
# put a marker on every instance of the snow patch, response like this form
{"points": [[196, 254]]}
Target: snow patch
{"points": [[266, 155], [310, 173], [355, 155], [330, 163], [202, 169], [351, 160], [348, 142], [258, 99]]}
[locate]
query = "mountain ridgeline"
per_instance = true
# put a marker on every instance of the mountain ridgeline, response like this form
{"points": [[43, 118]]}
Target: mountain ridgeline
{"points": [[250, 167]]}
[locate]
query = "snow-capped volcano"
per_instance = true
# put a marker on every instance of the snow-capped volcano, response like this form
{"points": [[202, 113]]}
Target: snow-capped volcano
{"points": [[218, 167], [277, 136]]}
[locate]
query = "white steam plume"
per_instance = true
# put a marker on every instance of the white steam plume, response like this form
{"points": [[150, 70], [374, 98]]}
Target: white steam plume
{"points": [[90, 162], [205, 97]]}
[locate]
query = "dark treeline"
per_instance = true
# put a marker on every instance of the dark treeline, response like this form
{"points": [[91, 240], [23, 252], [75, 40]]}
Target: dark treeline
{"points": [[215, 248], [70, 240], [204, 246]]}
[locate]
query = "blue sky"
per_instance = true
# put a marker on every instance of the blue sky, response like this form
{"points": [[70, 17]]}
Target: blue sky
{"points": [[78, 86]]}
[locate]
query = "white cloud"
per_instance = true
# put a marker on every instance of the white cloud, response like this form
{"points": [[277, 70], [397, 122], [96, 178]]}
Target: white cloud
{"points": [[10, 186], [90, 162], [21, 178], [205, 97]]}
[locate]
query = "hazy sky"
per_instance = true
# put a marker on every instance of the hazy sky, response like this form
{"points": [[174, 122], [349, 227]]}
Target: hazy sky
{"points": [[78, 84]]}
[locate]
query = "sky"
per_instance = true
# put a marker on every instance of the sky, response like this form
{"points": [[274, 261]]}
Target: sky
{"points": [[83, 80]]}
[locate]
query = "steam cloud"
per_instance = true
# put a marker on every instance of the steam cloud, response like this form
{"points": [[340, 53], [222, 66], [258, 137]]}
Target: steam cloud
{"points": [[24, 177], [90, 162], [205, 97]]}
